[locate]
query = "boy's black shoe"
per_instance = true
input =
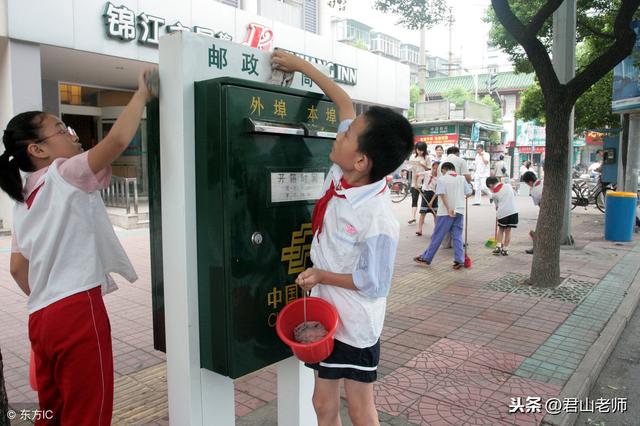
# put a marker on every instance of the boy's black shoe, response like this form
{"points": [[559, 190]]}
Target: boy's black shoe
{"points": [[496, 251], [529, 251], [504, 252]]}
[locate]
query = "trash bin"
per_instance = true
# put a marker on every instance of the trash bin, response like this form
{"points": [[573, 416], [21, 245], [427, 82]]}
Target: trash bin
{"points": [[619, 217]]}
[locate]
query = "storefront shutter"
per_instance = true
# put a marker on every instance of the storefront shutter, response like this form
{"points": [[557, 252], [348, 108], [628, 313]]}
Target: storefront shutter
{"points": [[311, 16], [233, 3]]}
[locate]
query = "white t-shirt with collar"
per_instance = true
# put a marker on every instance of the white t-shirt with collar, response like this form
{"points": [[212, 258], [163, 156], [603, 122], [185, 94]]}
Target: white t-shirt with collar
{"points": [[455, 187], [460, 164], [66, 234], [505, 200], [536, 192], [359, 236]]}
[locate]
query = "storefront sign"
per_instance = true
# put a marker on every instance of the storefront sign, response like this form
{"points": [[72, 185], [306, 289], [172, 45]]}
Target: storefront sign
{"points": [[258, 36], [123, 24], [437, 139], [528, 134], [339, 73], [528, 150], [626, 93]]}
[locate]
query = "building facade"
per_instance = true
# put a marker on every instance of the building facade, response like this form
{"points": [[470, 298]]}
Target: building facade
{"points": [[80, 60]]}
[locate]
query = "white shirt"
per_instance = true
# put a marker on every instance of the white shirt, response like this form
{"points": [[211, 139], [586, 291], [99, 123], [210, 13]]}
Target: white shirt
{"points": [[429, 183], [536, 192], [67, 237], [505, 200], [460, 164], [499, 165], [359, 236], [419, 165], [482, 169], [455, 187]]}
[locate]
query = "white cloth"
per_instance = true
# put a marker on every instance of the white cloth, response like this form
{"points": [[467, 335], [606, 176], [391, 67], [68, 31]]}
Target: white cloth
{"points": [[419, 166], [524, 169], [536, 192], [499, 165], [455, 187], [482, 169], [504, 200], [429, 183], [359, 237], [69, 241], [459, 163]]}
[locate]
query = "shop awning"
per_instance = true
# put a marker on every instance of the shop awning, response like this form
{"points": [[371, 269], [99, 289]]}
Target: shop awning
{"points": [[490, 126]]}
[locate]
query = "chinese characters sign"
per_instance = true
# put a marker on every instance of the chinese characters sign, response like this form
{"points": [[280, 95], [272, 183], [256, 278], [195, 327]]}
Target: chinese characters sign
{"points": [[303, 186], [122, 23], [437, 139]]}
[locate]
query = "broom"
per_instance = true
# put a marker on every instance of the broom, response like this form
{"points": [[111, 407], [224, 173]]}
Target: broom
{"points": [[493, 241], [467, 259]]}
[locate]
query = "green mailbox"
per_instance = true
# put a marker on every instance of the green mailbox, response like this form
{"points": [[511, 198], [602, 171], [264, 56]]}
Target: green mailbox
{"points": [[262, 154]]}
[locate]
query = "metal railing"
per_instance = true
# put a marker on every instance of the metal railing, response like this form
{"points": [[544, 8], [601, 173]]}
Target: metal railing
{"points": [[120, 193]]}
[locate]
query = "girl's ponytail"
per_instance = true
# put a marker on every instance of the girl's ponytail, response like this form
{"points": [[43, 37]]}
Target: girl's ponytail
{"points": [[21, 130]]}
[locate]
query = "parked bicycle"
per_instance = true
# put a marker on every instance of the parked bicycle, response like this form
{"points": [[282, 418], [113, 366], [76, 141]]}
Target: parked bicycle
{"points": [[587, 191], [399, 188]]}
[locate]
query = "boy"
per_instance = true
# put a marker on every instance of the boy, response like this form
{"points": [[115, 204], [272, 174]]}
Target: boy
{"points": [[506, 212], [536, 186], [429, 202], [354, 245], [452, 190]]}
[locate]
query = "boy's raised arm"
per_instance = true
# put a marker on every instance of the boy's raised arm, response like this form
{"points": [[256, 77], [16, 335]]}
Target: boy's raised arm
{"points": [[288, 62]]}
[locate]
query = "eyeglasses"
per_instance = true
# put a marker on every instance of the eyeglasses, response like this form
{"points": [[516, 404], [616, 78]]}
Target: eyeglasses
{"points": [[65, 131]]}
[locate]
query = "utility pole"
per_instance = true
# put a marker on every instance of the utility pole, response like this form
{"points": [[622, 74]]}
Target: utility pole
{"points": [[422, 65], [564, 64], [450, 23]]}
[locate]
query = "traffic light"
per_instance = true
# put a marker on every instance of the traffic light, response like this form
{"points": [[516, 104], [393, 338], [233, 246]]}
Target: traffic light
{"points": [[492, 82]]}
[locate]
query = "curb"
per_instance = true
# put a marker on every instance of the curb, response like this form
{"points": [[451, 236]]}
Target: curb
{"points": [[596, 357]]}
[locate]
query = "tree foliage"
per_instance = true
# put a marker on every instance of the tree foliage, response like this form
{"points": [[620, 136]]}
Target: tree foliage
{"points": [[457, 95], [594, 19], [414, 94]]}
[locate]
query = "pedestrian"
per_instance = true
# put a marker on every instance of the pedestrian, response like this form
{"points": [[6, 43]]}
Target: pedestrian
{"points": [[439, 154], [482, 171], [500, 169], [536, 187], [526, 167], [62, 252], [452, 189], [355, 236], [461, 168], [506, 213], [429, 202], [420, 163]]}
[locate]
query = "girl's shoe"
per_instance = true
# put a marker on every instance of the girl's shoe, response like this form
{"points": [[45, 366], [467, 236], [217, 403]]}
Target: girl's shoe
{"points": [[411, 222], [457, 265], [419, 234], [504, 252], [497, 251]]}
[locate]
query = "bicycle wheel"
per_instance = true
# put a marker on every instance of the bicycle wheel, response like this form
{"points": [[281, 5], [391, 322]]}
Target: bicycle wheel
{"points": [[600, 200], [399, 191], [575, 198]]}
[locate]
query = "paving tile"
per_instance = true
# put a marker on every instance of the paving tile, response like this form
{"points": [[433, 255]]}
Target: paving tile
{"points": [[413, 340], [496, 315], [497, 359], [479, 375], [429, 361], [393, 400], [522, 387], [429, 411], [497, 407], [413, 380], [454, 349]]}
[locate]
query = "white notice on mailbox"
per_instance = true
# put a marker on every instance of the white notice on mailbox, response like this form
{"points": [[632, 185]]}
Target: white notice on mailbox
{"points": [[296, 186]]}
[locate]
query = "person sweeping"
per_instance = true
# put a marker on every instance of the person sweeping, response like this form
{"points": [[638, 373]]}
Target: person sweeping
{"points": [[452, 190], [506, 212]]}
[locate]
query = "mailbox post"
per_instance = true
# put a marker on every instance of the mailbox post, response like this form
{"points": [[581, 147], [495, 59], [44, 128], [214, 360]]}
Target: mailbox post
{"points": [[241, 164]]}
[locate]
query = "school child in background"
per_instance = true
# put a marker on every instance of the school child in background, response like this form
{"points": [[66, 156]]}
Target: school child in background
{"points": [[536, 186], [429, 202], [506, 213], [355, 236], [452, 189], [63, 249]]}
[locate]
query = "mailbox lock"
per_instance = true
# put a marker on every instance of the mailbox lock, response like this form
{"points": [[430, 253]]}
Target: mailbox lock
{"points": [[256, 238]]}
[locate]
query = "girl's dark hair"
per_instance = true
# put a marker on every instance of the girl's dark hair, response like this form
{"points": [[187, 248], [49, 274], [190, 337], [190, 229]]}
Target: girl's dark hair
{"points": [[421, 146], [20, 132]]}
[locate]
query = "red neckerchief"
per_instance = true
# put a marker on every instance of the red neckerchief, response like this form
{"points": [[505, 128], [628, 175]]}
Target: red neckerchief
{"points": [[32, 196], [538, 182], [317, 218], [497, 188], [452, 173]]}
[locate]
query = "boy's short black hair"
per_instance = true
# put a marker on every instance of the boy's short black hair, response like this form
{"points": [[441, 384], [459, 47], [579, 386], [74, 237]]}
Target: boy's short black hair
{"points": [[529, 177], [491, 180], [387, 141], [480, 146], [448, 166], [453, 150]]}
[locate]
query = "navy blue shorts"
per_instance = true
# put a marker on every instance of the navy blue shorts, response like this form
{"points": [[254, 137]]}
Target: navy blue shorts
{"points": [[510, 221], [348, 362]]}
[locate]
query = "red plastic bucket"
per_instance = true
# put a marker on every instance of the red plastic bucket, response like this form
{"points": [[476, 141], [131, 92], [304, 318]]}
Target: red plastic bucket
{"points": [[317, 310]]}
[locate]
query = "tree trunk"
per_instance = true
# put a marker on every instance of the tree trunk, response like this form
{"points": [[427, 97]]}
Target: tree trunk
{"points": [[545, 269], [4, 403]]}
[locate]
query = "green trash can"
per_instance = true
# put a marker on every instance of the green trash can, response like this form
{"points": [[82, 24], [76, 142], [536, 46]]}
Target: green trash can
{"points": [[619, 216]]}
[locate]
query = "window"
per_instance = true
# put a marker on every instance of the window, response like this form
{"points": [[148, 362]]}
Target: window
{"points": [[71, 94], [290, 12]]}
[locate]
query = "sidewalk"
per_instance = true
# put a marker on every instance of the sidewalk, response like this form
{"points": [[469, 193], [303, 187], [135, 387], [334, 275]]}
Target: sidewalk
{"points": [[456, 347]]}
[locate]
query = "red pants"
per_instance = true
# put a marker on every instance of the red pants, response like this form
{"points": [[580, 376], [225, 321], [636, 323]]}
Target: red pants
{"points": [[71, 339]]}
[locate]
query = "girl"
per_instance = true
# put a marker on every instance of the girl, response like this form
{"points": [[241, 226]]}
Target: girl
{"points": [[63, 249], [420, 163], [429, 202]]}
